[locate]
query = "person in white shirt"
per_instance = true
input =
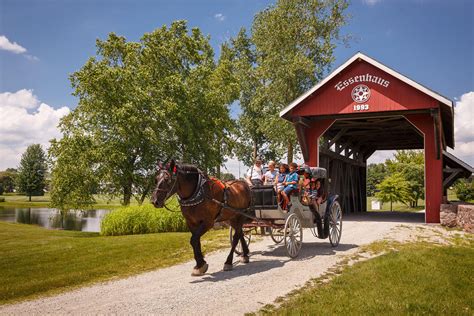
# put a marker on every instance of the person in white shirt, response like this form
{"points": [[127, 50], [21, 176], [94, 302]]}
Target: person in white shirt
{"points": [[270, 177], [254, 174]]}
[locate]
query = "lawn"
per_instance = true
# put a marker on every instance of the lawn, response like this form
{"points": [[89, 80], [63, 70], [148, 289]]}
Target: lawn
{"points": [[17, 200], [399, 207], [35, 261], [416, 278]]}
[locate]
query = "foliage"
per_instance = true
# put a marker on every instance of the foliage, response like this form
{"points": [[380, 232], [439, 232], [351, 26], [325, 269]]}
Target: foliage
{"points": [[376, 172], [411, 164], [7, 179], [464, 190], [227, 177], [144, 219], [31, 172], [393, 188], [140, 102], [2, 199], [37, 262], [1, 189]]}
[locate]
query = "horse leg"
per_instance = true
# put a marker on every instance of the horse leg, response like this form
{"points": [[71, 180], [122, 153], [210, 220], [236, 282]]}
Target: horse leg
{"points": [[235, 239], [245, 249], [201, 265]]}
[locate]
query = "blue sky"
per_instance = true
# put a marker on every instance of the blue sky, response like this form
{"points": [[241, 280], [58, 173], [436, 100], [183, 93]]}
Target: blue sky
{"points": [[431, 42]]}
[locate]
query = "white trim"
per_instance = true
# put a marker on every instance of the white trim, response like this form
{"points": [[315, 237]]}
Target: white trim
{"points": [[375, 63]]}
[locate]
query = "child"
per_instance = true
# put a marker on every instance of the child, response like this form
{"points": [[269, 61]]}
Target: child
{"points": [[290, 183], [280, 180]]}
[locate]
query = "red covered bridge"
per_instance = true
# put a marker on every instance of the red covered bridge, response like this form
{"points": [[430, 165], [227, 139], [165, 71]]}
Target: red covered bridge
{"points": [[364, 106]]}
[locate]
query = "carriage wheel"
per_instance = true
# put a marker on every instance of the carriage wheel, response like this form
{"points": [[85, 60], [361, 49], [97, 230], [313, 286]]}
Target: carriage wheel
{"points": [[335, 224], [277, 235], [293, 235], [314, 231], [247, 236]]}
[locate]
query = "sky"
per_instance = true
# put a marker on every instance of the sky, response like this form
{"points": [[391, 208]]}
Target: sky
{"points": [[43, 42]]}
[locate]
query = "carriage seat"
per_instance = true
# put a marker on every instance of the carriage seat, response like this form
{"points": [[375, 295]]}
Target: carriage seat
{"points": [[264, 197]]}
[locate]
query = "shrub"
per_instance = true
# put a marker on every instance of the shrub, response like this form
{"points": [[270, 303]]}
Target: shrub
{"points": [[2, 199], [464, 190], [145, 219]]}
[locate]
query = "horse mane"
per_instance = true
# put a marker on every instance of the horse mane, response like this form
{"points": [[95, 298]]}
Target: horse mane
{"points": [[187, 167]]}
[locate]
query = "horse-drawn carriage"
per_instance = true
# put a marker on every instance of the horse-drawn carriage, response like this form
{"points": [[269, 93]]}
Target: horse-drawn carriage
{"points": [[205, 201], [324, 220]]}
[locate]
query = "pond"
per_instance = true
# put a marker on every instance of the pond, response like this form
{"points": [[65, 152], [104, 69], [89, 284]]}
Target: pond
{"points": [[50, 218]]}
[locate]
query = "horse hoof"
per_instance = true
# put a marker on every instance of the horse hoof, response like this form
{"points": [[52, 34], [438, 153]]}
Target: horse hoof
{"points": [[244, 259], [200, 271], [228, 267]]}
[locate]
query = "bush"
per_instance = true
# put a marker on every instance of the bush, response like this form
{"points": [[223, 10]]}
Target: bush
{"points": [[145, 219], [464, 190], [2, 199]]}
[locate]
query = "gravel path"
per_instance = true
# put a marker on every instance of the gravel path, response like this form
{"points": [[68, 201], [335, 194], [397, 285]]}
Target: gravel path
{"points": [[172, 291]]}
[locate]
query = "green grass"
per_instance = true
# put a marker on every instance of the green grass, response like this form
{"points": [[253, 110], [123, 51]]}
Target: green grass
{"points": [[35, 261], [415, 278], [399, 207], [17, 200]]}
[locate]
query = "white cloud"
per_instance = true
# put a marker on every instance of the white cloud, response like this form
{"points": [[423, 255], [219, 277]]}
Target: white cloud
{"points": [[371, 2], [219, 17], [464, 128], [5, 44], [20, 128], [15, 48]]}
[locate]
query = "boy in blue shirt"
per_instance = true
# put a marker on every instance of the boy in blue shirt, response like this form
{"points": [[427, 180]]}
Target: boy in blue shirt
{"points": [[290, 183]]}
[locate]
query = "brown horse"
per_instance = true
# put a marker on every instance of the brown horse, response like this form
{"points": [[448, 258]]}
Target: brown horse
{"points": [[203, 202]]}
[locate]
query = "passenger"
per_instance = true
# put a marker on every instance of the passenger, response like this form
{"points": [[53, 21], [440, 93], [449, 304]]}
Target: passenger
{"points": [[270, 177], [281, 178], [254, 174], [290, 183], [317, 194]]}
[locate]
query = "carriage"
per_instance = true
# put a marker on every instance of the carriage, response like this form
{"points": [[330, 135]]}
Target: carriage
{"points": [[287, 226]]}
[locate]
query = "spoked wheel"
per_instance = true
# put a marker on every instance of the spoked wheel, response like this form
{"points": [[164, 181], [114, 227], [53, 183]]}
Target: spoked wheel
{"points": [[277, 235], [247, 237], [335, 224], [293, 235], [314, 231]]}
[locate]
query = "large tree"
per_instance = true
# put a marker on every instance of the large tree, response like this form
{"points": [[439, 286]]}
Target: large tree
{"points": [[140, 102], [31, 171], [393, 188], [294, 42]]}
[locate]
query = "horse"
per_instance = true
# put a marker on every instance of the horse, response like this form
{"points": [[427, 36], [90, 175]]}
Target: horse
{"points": [[203, 202]]}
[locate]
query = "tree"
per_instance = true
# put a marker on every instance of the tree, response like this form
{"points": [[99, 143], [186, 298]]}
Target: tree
{"points": [[294, 42], [411, 164], [140, 102], [227, 176], [31, 171], [8, 179], [464, 190], [393, 189], [375, 175], [251, 141]]}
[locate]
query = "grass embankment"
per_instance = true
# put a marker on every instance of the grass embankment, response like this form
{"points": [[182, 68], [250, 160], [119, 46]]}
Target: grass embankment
{"points": [[17, 200], [415, 278], [35, 261], [397, 207]]}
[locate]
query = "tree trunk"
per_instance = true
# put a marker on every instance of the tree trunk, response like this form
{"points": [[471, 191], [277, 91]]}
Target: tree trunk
{"points": [[391, 210], [218, 172], [127, 194], [255, 151], [29, 197], [290, 152]]}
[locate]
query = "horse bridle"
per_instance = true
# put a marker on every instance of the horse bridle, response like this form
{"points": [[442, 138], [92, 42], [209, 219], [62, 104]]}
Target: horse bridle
{"points": [[168, 194]]}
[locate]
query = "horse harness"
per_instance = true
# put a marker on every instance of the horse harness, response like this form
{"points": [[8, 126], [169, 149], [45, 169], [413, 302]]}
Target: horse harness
{"points": [[200, 194]]}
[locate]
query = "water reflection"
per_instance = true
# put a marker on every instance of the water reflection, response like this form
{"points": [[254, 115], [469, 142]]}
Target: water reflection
{"points": [[87, 221]]}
